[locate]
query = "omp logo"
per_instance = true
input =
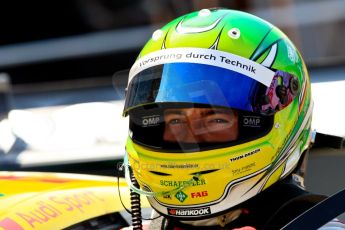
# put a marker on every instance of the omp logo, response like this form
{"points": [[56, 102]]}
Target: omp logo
{"points": [[251, 121], [151, 120], [189, 212]]}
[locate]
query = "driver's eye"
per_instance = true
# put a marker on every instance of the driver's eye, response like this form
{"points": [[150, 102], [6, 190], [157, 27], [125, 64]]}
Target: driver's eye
{"points": [[175, 121], [219, 120]]}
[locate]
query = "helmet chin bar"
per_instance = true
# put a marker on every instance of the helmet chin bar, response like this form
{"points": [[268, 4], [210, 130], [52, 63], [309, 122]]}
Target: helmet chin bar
{"points": [[156, 194]]}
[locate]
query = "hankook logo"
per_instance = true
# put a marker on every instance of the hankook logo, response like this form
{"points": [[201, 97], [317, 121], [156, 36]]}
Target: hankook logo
{"points": [[189, 212]]}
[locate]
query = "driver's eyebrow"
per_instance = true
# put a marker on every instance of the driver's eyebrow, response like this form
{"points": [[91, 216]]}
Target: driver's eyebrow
{"points": [[216, 111], [208, 112], [174, 111]]}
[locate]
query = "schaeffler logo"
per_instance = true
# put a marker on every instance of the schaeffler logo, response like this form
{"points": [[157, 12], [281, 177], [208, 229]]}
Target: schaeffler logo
{"points": [[189, 212]]}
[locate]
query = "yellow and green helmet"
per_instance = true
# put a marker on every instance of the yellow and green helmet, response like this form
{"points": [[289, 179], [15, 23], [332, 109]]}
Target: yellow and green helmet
{"points": [[224, 59]]}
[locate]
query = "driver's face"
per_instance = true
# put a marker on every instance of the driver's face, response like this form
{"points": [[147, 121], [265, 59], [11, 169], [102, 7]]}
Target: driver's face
{"points": [[196, 125]]}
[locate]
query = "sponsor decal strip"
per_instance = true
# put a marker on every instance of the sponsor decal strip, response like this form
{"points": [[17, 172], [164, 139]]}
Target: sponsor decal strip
{"points": [[212, 57], [244, 155], [221, 199]]}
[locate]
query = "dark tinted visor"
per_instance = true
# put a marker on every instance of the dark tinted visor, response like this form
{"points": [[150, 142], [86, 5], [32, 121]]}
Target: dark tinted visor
{"points": [[185, 127], [210, 85]]}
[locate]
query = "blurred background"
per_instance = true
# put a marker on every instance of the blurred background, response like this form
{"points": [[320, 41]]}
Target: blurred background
{"points": [[60, 112]]}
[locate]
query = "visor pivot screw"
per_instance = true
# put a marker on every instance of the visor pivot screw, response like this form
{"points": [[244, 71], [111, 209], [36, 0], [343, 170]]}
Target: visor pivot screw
{"points": [[277, 125], [157, 35], [234, 33], [204, 13], [120, 167]]}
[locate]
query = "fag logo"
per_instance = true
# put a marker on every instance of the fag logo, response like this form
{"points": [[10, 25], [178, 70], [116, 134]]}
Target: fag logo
{"points": [[190, 212], [199, 194]]}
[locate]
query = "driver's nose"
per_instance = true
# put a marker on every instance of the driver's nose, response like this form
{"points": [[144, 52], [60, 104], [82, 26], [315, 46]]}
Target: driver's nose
{"points": [[195, 125]]}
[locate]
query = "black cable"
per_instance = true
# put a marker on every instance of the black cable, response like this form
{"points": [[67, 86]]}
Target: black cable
{"points": [[135, 206], [118, 190], [123, 205]]}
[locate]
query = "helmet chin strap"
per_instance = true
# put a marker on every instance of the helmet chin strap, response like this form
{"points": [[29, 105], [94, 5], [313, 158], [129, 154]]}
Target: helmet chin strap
{"points": [[147, 193]]}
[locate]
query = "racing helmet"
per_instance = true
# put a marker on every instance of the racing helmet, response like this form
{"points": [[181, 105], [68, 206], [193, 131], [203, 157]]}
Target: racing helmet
{"points": [[249, 80]]}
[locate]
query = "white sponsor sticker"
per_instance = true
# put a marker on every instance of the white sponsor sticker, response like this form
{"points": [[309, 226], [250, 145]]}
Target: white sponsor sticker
{"points": [[216, 58], [189, 212]]}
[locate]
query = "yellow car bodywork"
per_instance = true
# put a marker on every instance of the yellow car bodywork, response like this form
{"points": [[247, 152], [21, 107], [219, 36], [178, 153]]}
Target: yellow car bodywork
{"points": [[55, 200]]}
